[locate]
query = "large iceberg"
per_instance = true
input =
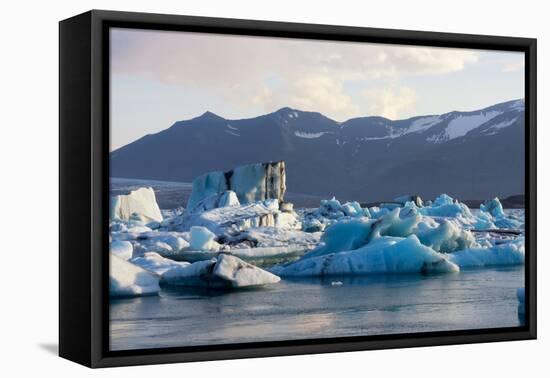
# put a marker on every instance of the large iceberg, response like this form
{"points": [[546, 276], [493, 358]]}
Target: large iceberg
{"points": [[127, 279], [250, 183], [382, 255], [224, 271], [140, 203], [441, 235]]}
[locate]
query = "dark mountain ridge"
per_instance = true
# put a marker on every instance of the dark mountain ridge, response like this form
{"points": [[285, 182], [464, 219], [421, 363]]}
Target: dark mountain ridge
{"points": [[473, 155]]}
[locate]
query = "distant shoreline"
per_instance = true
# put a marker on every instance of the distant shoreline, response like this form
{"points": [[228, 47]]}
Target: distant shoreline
{"points": [[123, 185]]}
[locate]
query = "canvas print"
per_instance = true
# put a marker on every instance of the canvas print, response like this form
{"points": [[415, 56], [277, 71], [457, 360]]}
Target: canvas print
{"points": [[269, 189]]}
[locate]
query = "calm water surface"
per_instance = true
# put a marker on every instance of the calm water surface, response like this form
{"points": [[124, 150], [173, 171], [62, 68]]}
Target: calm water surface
{"points": [[317, 308]]}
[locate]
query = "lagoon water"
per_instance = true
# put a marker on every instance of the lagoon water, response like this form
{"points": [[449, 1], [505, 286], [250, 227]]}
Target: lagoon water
{"points": [[319, 308]]}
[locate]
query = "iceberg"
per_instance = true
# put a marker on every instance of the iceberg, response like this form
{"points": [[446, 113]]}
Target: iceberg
{"points": [[250, 183], [162, 242], [141, 203], [203, 239], [224, 271], [122, 249], [382, 255], [440, 235], [330, 212], [216, 200], [493, 207], [343, 236], [128, 280], [511, 253], [231, 219], [153, 262], [447, 237]]}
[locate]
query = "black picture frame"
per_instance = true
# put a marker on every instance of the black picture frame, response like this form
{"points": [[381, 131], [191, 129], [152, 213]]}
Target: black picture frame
{"points": [[84, 189]]}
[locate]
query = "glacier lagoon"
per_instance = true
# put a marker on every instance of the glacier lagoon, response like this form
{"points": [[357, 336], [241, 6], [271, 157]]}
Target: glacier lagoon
{"points": [[242, 301], [319, 307]]}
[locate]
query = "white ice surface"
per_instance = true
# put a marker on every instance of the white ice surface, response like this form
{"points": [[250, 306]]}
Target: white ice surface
{"points": [[225, 271], [382, 255], [140, 202], [122, 249], [153, 262], [127, 279]]}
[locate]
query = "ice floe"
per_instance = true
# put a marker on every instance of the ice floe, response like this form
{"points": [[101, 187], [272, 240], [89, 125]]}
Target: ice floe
{"points": [[122, 249], [224, 271], [127, 279], [383, 255], [153, 262], [140, 203]]}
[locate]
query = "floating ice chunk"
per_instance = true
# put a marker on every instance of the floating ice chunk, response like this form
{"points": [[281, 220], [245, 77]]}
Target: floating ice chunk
{"points": [[251, 183], [443, 199], [140, 202], [343, 236], [162, 242], [493, 207], [399, 222], [126, 279], [225, 271], [203, 239], [352, 209], [228, 220], [447, 237], [153, 262], [511, 253], [242, 274], [382, 255], [122, 249], [377, 212]]}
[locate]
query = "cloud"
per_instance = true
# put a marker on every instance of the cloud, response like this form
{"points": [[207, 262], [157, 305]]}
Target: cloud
{"points": [[391, 102], [316, 92], [312, 74]]}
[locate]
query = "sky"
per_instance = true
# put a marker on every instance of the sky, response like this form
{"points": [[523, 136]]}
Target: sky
{"points": [[160, 77]]}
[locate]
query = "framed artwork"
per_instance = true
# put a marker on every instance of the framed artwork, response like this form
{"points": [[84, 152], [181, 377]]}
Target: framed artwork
{"points": [[234, 188]]}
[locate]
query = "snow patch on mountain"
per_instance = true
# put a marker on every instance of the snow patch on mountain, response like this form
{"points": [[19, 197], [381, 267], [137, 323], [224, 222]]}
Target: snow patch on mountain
{"points": [[463, 124], [423, 124], [308, 135], [232, 133]]}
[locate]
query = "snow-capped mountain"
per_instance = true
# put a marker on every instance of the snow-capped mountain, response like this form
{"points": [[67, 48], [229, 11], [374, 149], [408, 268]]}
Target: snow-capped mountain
{"points": [[470, 155]]}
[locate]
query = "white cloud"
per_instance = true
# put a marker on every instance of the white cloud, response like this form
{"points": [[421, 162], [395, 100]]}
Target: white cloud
{"points": [[311, 73], [322, 92], [391, 102]]}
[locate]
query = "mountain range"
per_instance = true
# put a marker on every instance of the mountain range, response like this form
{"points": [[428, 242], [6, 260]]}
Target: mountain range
{"points": [[468, 155]]}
